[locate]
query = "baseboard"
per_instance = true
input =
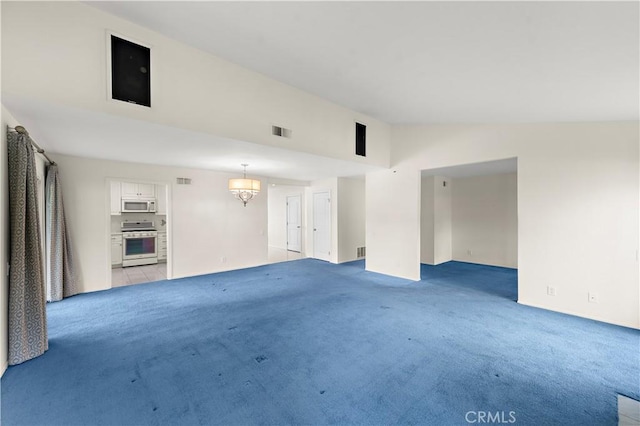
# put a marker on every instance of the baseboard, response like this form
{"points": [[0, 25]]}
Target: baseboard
{"points": [[495, 265], [575, 314]]}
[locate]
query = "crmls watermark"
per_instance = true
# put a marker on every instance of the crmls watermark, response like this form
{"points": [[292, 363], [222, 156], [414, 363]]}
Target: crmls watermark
{"points": [[500, 417]]}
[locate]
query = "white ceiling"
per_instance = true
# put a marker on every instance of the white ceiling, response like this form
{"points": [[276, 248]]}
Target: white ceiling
{"points": [[83, 133], [426, 62]]}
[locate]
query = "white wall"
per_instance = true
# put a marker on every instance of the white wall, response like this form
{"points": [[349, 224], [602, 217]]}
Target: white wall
{"points": [[393, 222], [206, 222], [485, 219], [190, 89], [277, 214], [351, 218], [578, 202]]}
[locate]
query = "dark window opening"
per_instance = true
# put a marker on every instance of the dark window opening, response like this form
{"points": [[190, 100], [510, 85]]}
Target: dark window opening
{"points": [[361, 140], [130, 72]]}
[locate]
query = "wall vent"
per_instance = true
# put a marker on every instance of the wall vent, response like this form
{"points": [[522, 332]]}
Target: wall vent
{"points": [[362, 252], [280, 131], [183, 181]]}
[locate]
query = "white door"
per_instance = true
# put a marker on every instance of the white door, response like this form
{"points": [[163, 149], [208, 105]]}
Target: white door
{"points": [[294, 232], [322, 225]]}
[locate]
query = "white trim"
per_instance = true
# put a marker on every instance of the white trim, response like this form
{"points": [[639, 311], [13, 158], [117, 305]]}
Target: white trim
{"points": [[4, 368], [108, 35], [574, 314]]}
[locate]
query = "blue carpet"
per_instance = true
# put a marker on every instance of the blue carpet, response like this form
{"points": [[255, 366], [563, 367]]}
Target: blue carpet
{"points": [[307, 342]]}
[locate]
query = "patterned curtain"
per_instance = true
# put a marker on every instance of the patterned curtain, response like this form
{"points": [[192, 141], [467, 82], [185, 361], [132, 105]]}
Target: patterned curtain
{"points": [[61, 281], [27, 314]]}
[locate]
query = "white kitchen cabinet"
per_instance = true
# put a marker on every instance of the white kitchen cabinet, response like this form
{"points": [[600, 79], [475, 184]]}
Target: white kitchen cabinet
{"points": [[146, 190], [116, 249], [138, 191], [161, 205], [129, 190], [162, 246], [116, 197]]}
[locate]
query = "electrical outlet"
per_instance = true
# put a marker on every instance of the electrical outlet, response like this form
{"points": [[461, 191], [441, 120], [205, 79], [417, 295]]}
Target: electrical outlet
{"points": [[470, 252], [223, 259], [551, 291], [593, 297]]}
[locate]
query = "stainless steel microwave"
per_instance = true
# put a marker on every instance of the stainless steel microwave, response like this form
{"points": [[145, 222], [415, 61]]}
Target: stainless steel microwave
{"points": [[138, 206]]}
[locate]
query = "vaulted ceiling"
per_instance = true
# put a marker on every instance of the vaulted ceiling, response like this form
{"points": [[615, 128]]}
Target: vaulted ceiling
{"points": [[400, 62], [426, 62]]}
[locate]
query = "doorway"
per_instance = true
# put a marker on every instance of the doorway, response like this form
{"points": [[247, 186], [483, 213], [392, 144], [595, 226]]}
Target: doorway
{"points": [[469, 214], [286, 212], [139, 239], [322, 225]]}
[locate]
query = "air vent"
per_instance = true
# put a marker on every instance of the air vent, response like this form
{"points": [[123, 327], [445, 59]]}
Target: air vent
{"points": [[362, 252], [280, 131], [183, 181]]}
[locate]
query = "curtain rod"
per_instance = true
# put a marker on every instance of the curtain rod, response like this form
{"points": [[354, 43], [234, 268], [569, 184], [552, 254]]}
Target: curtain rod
{"points": [[23, 131]]}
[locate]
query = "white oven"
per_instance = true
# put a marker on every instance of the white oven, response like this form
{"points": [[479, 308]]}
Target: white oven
{"points": [[139, 243]]}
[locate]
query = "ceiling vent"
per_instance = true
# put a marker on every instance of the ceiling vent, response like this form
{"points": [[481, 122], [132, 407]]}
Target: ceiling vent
{"points": [[281, 132], [183, 181]]}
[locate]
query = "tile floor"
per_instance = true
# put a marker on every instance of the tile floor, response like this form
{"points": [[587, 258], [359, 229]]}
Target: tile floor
{"points": [[138, 274], [628, 411], [276, 255], [147, 273]]}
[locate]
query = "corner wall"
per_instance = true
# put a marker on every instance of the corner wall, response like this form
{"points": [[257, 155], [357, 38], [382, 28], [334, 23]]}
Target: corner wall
{"points": [[393, 222], [351, 218], [442, 220], [435, 217], [427, 231]]}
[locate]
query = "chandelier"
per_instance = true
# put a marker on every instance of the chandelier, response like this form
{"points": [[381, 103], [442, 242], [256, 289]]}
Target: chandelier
{"points": [[244, 189]]}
